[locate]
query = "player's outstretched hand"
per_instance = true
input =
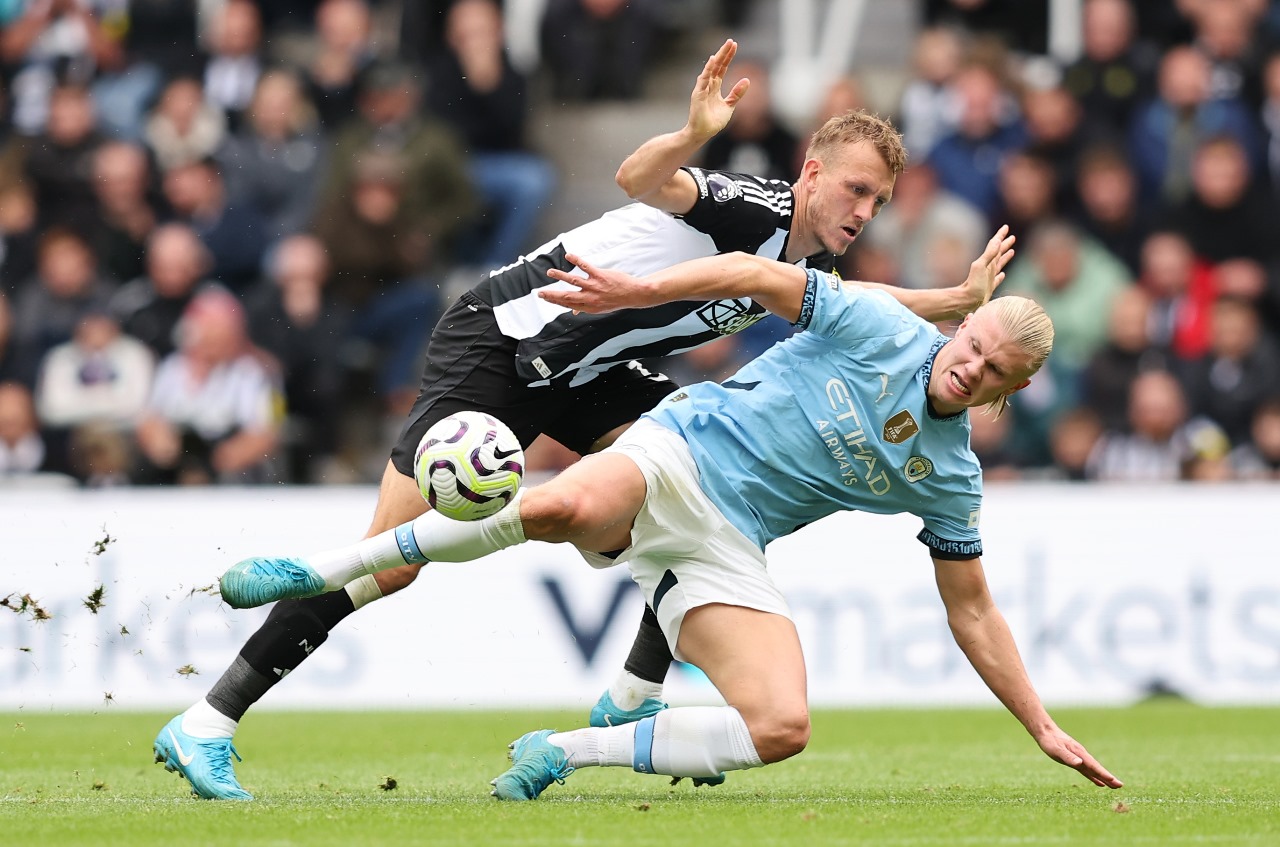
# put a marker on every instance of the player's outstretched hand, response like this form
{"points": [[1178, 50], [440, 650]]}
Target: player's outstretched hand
{"points": [[987, 271], [599, 291], [709, 109], [1062, 748]]}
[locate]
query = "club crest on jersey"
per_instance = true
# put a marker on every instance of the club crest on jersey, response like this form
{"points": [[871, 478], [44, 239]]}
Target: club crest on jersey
{"points": [[918, 467], [729, 316], [900, 427], [722, 188]]}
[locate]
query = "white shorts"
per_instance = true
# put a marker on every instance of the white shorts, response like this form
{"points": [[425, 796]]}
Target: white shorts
{"points": [[684, 553]]}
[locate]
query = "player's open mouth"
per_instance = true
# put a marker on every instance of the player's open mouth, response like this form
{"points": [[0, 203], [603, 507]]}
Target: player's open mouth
{"points": [[959, 386], [851, 232]]}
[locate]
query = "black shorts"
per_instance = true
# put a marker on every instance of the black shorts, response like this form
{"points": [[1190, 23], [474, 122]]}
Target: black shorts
{"points": [[471, 366]]}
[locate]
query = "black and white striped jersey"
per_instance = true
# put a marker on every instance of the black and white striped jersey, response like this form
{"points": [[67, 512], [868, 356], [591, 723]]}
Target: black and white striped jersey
{"points": [[733, 212]]}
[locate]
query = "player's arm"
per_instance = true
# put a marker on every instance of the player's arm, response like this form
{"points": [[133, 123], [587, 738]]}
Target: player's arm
{"points": [[985, 275], [983, 635], [652, 173], [777, 286]]}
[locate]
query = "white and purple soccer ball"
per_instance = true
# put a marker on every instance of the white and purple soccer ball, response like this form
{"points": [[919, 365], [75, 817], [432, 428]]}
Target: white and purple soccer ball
{"points": [[468, 466]]}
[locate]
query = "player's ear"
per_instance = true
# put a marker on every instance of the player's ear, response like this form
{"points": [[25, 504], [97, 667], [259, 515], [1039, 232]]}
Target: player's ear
{"points": [[1018, 387]]}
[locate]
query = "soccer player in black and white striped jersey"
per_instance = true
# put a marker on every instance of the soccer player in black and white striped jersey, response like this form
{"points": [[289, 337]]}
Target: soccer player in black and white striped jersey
{"points": [[540, 368]]}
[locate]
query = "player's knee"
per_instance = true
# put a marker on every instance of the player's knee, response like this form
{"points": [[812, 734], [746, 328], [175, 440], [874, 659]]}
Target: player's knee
{"points": [[554, 512], [781, 735], [392, 580]]}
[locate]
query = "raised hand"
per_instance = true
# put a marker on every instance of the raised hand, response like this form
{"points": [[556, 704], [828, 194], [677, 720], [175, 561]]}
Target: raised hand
{"points": [[709, 109], [987, 271]]}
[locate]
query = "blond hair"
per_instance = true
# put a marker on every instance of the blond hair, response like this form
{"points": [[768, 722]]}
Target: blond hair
{"points": [[848, 128], [1027, 326]]}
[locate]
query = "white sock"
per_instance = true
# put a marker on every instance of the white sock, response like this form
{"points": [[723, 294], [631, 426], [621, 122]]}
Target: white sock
{"points": [[609, 746], [428, 538], [629, 691], [204, 721], [363, 591], [698, 741], [694, 741]]}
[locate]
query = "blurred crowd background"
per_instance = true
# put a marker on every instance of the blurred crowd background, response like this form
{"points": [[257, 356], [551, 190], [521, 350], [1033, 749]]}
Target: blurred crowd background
{"points": [[227, 227]]}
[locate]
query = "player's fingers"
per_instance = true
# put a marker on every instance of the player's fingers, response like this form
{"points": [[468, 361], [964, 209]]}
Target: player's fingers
{"points": [[562, 276], [739, 89]]}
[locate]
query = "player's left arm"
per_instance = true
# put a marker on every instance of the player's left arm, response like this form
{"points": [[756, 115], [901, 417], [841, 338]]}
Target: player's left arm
{"points": [[981, 632], [985, 275]]}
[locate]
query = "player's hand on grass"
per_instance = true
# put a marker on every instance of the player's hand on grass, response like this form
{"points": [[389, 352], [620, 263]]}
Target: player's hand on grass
{"points": [[987, 271], [709, 110], [1062, 748], [599, 291]]}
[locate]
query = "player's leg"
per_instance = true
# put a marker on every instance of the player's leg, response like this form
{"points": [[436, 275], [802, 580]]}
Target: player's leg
{"points": [[626, 392], [710, 589], [464, 349], [754, 659]]}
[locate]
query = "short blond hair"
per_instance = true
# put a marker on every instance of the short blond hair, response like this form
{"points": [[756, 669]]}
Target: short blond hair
{"points": [[1027, 325], [849, 128]]}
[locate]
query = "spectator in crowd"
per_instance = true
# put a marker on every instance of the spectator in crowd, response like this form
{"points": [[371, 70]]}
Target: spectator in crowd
{"points": [[990, 439], [9, 370], [755, 141], [1227, 214], [1240, 370], [213, 414], [968, 160], [1072, 440], [58, 163], [293, 317], [99, 378], [17, 234], [183, 127], [1127, 352], [52, 41], [343, 49], [921, 216], [234, 62], [1116, 70], [599, 49], [274, 162], [22, 450], [1269, 114], [1167, 129], [234, 231], [475, 88], [929, 109], [150, 306], [435, 191], [1226, 33], [127, 207], [1182, 289], [1076, 281], [1027, 185], [1162, 439], [381, 256], [67, 286], [1056, 131], [101, 374], [1258, 458], [1107, 205]]}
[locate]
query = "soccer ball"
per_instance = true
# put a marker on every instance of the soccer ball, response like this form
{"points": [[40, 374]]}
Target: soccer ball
{"points": [[468, 466]]}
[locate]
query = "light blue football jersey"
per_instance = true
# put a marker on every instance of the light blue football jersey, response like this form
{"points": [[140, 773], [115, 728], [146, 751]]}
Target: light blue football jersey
{"points": [[832, 419]]}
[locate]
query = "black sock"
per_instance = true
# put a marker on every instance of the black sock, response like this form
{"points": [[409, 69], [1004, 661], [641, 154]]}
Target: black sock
{"points": [[650, 657], [293, 630]]}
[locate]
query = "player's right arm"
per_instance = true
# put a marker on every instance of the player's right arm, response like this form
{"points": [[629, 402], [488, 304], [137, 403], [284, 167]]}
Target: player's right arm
{"points": [[981, 632], [652, 173]]}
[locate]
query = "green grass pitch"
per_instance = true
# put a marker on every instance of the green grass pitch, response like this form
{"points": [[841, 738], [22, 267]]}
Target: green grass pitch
{"points": [[902, 778]]}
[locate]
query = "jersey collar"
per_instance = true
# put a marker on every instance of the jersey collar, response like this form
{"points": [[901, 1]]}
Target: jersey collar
{"points": [[926, 371]]}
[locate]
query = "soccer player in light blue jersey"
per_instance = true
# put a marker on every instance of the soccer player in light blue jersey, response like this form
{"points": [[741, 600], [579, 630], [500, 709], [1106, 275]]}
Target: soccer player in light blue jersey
{"points": [[866, 408]]}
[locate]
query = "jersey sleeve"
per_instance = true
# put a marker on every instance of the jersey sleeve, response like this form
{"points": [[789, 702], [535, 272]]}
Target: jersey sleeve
{"points": [[739, 211], [951, 528], [837, 311]]}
